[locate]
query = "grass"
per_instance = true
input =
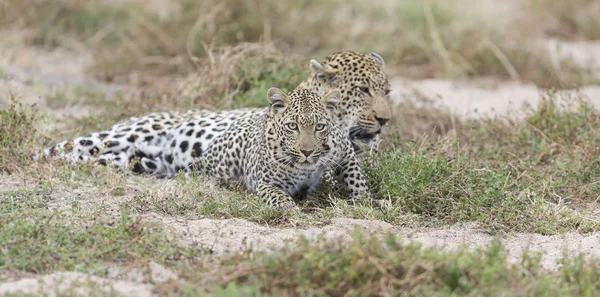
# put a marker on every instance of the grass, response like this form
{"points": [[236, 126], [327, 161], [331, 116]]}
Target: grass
{"points": [[17, 134], [196, 198], [256, 75], [239, 76], [36, 239], [540, 175], [454, 189], [569, 20], [422, 39], [370, 266]]}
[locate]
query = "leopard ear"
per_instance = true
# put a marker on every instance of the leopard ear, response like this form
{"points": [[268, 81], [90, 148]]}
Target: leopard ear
{"points": [[315, 66], [331, 100], [319, 68], [377, 58], [277, 98]]}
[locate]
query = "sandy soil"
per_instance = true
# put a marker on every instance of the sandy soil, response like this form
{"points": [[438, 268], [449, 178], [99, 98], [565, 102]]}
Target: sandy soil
{"points": [[39, 73], [227, 236], [477, 99]]}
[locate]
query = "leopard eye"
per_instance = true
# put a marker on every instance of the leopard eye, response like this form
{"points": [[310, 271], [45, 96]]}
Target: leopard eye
{"points": [[387, 92], [320, 127], [364, 89], [292, 126]]}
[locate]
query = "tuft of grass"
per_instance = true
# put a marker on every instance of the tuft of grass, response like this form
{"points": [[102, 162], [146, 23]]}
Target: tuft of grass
{"points": [[558, 144], [452, 189], [17, 134], [372, 266], [239, 76], [192, 199], [257, 74], [539, 175]]}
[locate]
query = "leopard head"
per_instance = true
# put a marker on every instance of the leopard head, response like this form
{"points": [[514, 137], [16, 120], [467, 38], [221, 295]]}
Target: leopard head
{"points": [[364, 104], [301, 127]]}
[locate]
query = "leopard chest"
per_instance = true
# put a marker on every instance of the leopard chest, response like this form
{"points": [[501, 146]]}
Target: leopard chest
{"points": [[298, 183]]}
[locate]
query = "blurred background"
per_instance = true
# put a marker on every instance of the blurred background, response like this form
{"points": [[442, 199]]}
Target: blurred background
{"points": [[139, 56]]}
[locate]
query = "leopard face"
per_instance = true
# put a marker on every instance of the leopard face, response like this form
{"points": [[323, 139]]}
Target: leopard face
{"points": [[364, 87], [300, 126]]}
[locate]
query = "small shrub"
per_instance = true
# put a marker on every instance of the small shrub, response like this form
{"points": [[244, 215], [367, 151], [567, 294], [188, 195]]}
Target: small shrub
{"points": [[17, 134]]}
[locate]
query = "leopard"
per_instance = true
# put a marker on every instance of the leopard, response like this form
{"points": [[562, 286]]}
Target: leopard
{"points": [[115, 145], [281, 153], [363, 112]]}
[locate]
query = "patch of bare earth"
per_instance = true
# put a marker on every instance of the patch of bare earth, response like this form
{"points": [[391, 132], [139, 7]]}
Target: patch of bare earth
{"points": [[234, 235], [481, 98]]}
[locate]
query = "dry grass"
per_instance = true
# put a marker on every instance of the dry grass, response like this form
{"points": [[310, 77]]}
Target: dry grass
{"points": [[235, 76], [576, 19], [17, 134], [421, 39]]}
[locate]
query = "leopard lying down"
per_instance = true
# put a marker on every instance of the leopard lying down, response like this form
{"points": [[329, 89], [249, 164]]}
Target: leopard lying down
{"points": [[362, 112], [282, 152]]}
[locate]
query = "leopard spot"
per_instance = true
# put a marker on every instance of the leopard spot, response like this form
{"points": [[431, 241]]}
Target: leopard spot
{"points": [[150, 164], [86, 142], [183, 146], [132, 138], [112, 143], [157, 127]]}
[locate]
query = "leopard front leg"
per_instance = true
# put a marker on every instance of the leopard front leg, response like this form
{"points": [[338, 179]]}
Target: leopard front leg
{"points": [[354, 179], [275, 197]]}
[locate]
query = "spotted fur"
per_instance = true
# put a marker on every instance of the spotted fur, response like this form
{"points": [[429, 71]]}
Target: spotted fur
{"points": [[280, 152], [116, 145], [362, 113], [364, 106]]}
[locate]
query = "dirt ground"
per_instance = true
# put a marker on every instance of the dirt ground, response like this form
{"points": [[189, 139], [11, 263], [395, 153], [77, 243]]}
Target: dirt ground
{"points": [[34, 74]]}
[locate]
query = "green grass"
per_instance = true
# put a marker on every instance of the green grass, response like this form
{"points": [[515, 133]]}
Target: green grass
{"points": [[370, 266], [540, 175], [258, 74], [452, 189], [34, 238], [194, 199]]}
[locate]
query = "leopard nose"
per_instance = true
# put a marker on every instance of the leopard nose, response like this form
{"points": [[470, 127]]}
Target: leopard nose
{"points": [[381, 121], [307, 152]]}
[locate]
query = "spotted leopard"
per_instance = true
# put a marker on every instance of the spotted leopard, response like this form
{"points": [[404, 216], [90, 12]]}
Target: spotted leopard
{"points": [[281, 152], [363, 112]]}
